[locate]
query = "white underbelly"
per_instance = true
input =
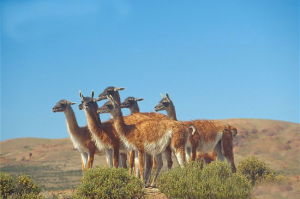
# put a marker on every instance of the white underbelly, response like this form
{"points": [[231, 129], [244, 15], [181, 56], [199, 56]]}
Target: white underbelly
{"points": [[210, 145], [158, 146]]}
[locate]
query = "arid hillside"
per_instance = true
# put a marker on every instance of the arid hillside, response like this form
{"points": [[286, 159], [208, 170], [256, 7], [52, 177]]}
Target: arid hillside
{"points": [[56, 165]]}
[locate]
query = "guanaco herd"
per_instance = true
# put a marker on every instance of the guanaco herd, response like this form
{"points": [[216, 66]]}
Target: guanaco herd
{"points": [[142, 138]]}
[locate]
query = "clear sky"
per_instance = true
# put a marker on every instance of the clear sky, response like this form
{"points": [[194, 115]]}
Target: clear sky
{"points": [[217, 59]]}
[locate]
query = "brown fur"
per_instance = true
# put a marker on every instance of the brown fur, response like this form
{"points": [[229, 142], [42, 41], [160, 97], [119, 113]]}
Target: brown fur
{"points": [[138, 117]]}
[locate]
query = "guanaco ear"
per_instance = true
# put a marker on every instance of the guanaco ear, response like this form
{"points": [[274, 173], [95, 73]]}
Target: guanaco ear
{"points": [[80, 94], [109, 97], [118, 89], [162, 95], [192, 129], [167, 95], [138, 99], [92, 94]]}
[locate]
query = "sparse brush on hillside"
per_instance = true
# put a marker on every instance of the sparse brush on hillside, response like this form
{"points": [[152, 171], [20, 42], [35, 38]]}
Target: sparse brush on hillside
{"points": [[106, 183], [257, 171], [18, 187], [214, 181]]}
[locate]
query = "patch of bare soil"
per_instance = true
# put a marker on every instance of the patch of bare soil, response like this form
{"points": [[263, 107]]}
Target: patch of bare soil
{"points": [[154, 193]]}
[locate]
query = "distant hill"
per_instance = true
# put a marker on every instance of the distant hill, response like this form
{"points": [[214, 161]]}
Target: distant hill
{"points": [[56, 165]]}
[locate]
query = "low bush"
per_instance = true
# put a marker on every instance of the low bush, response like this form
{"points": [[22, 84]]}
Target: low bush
{"points": [[7, 185], [214, 181], [25, 185], [256, 171], [106, 183], [18, 187]]}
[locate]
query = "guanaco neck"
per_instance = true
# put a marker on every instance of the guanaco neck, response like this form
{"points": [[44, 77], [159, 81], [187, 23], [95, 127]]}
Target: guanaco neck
{"points": [[119, 121], [71, 121], [93, 121], [171, 112], [134, 108]]}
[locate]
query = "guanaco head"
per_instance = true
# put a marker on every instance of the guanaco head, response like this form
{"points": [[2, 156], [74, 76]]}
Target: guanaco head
{"points": [[230, 129], [62, 105], [131, 103], [113, 107], [164, 104], [88, 104], [105, 108], [113, 91]]}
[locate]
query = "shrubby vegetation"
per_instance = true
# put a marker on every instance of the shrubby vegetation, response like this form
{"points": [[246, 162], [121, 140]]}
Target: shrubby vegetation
{"points": [[106, 183], [214, 181], [18, 187], [195, 181], [257, 171], [7, 185]]}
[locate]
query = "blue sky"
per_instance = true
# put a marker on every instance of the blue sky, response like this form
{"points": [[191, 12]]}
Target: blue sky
{"points": [[217, 59]]}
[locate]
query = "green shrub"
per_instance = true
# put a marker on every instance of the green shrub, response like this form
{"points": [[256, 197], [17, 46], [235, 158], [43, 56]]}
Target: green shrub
{"points": [[18, 187], [7, 185], [25, 185], [106, 183], [256, 171], [214, 181]]}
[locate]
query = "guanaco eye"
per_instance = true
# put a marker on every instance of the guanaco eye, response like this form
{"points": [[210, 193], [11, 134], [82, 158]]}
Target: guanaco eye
{"points": [[165, 103]]}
